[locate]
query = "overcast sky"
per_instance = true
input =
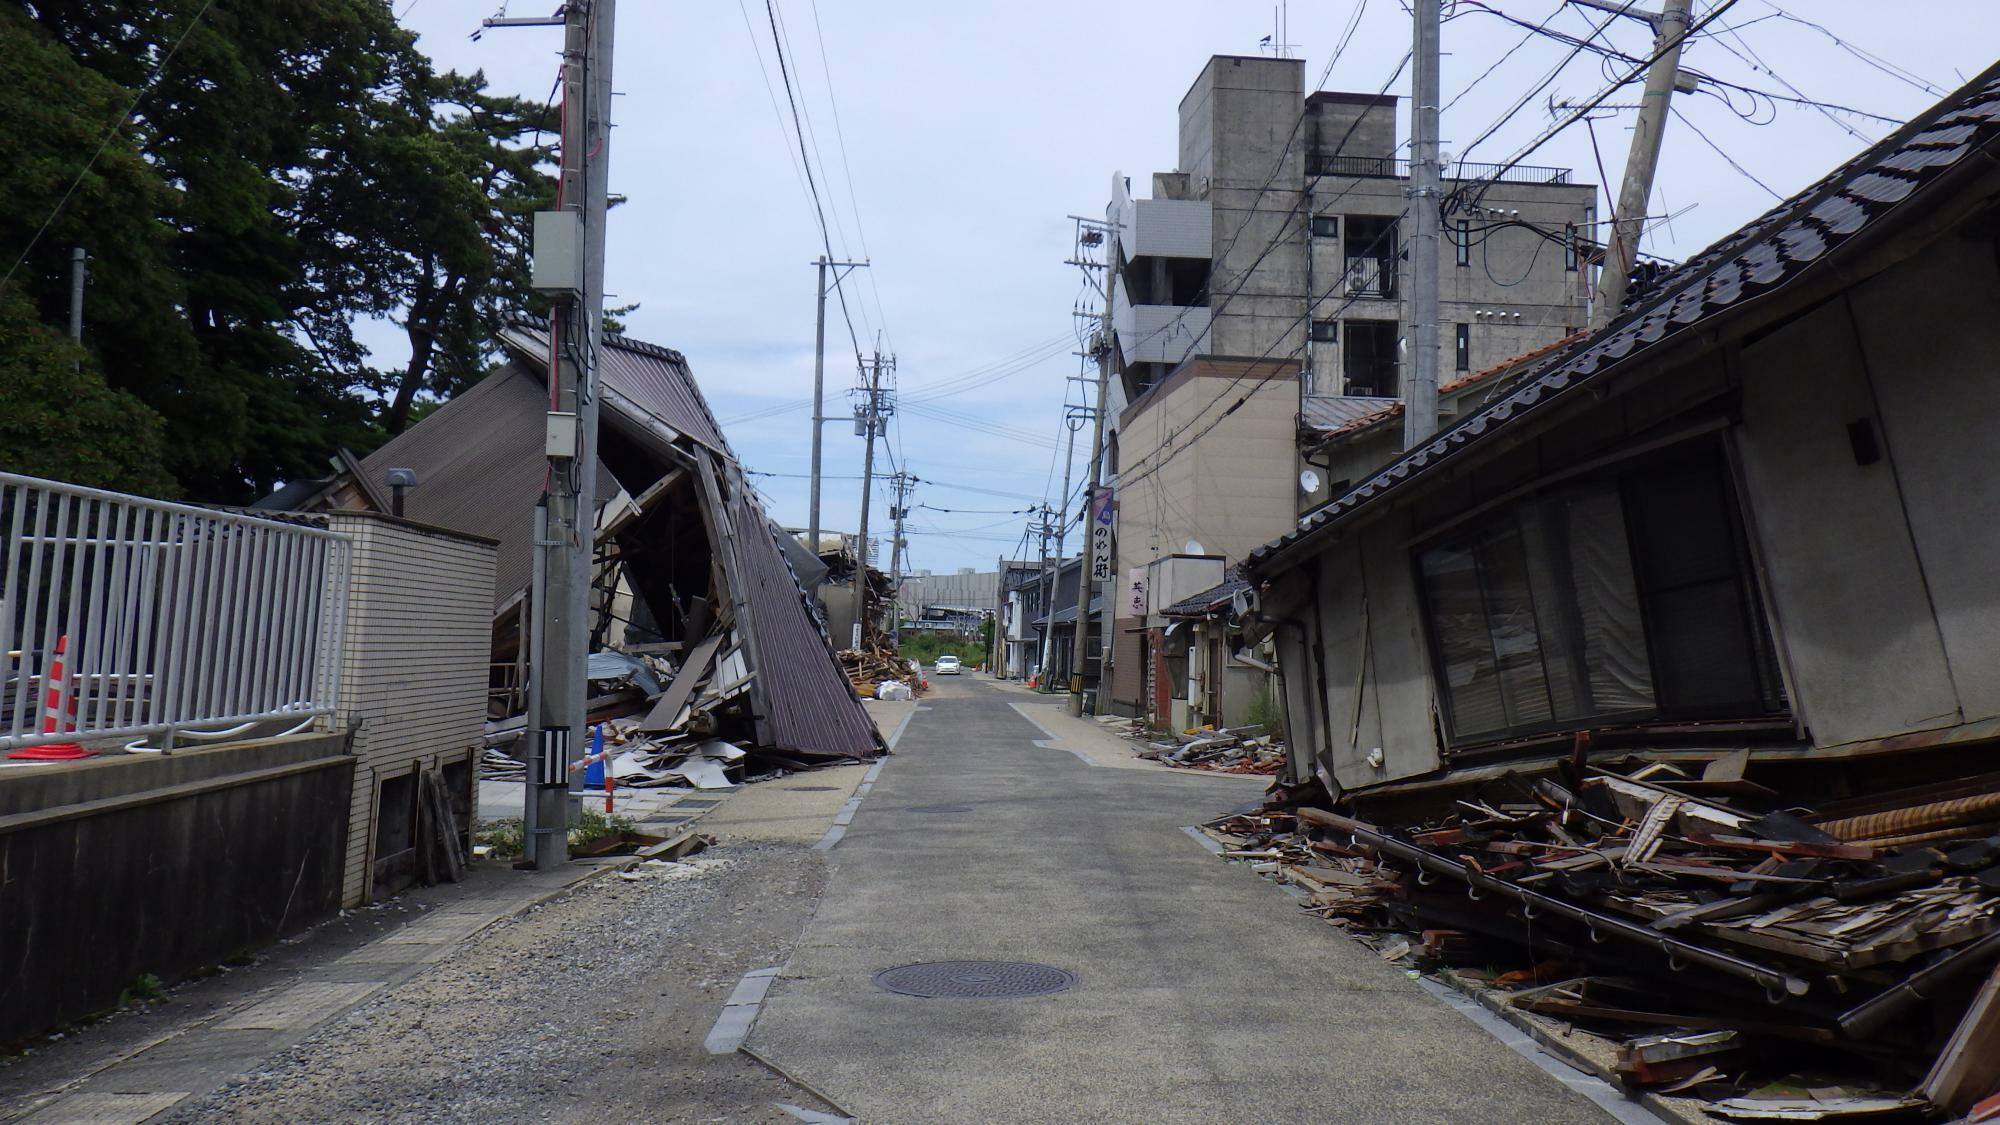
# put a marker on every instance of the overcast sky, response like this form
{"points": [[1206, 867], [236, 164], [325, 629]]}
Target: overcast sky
{"points": [[950, 143]]}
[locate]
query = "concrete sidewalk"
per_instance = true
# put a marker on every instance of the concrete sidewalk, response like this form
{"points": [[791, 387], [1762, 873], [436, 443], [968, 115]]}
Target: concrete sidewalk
{"points": [[219, 1029], [1202, 995]]}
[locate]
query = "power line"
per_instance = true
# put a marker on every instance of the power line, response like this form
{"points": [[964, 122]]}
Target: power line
{"points": [[1730, 160], [847, 170], [819, 210], [1878, 62], [1486, 182], [771, 92]]}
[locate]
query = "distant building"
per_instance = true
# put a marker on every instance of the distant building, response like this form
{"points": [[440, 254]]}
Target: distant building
{"points": [[1259, 301]]}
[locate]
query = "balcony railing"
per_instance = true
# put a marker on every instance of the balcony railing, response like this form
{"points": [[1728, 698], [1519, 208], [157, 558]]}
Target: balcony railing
{"points": [[1321, 164], [126, 618], [1371, 277]]}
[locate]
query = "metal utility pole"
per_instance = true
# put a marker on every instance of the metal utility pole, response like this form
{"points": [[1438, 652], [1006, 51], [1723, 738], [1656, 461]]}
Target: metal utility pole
{"points": [[819, 386], [872, 417], [1629, 220], [1420, 394], [1087, 579], [569, 253]]}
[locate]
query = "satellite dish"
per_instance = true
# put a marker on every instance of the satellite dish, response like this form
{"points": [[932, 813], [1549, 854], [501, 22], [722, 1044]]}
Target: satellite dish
{"points": [[1193, 548], [1308, 481]]}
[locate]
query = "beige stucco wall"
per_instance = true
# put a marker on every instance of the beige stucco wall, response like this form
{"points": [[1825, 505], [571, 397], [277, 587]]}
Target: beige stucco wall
{"points": [[414, 671]]}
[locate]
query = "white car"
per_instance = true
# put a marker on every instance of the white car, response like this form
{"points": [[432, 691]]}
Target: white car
{"points": [[946, 665]]}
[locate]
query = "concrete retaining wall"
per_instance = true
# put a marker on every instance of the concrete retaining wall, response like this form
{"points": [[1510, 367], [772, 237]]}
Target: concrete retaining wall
{"points": [[126, 866]]}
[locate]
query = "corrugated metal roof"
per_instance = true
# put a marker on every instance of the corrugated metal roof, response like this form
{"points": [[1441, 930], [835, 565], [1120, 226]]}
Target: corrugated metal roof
{"points": [[1338, 413], [817, 713], [1758, 259], [657, 379]]}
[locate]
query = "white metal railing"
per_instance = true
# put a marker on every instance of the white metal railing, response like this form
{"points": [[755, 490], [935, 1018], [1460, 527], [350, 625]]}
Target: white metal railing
{"points": [[162, 618]]}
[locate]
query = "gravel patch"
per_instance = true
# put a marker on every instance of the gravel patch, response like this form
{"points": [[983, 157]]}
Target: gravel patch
{"points": [[588, 1004]]}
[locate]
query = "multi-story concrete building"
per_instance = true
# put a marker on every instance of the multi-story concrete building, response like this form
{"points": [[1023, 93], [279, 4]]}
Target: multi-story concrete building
{"points": [[1259, 298]]}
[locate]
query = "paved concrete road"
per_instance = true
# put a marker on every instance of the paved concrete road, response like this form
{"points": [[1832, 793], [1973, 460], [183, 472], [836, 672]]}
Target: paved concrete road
{"points": [[1204, 994]]}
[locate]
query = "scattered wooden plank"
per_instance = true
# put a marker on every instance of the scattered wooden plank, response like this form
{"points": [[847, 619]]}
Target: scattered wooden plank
{"points": [[1968, 1069], [666, 713]]}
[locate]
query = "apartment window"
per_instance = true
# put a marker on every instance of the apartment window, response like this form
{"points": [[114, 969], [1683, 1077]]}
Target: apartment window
{"points": [[1326, 331], [1326, 226], [1463, 239], [1463, 347], [1625, 598], [1368, 358], [1569, 247]]}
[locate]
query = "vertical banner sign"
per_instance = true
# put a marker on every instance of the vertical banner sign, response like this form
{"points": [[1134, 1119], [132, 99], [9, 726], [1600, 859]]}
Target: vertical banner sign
{"points": [[1135, 591], [554, 757], [1100, 536]]}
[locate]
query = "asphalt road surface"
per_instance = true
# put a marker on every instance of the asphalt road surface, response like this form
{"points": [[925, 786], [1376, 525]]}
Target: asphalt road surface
{"points": [[1197, 991]]}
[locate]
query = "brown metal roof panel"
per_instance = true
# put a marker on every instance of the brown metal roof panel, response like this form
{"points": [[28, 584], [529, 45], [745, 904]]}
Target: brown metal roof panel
{"points": [[657, 379], [812, 708]]}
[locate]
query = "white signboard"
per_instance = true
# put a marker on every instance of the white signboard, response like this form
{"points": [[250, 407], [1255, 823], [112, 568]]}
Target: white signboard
{"points": [[1135, 592], [1100, 537]]}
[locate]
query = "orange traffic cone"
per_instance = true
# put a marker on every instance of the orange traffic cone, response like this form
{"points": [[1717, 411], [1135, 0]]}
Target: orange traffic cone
{"points": [[53, 718]]}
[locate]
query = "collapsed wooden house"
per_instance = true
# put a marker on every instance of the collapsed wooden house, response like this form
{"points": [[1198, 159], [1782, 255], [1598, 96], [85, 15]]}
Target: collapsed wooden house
{"points": [[689, 567], [1679, 654]]}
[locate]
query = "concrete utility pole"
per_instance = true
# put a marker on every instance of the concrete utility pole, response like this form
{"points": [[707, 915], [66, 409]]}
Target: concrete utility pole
{"points": [[998, 648], [1420, 394], [1045, 587], [873, 416], [1086, 580], [1072, 419], [1091, 234], [819, 387], [575, 254], [903, 483], [78, 260], [1637, 187]]}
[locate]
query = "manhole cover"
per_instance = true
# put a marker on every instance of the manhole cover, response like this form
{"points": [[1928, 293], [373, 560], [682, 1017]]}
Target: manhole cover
{"points": [[975, 980], [696, 803], [812, 789], [938, 808]]}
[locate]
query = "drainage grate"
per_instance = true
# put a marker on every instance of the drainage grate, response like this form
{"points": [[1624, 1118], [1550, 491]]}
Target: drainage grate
{"points": [[813, 789], [696, 803], [939, 808], [975, 980]]}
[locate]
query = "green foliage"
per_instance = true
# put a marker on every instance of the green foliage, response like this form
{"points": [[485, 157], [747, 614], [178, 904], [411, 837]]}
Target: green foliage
{"points": [[927, 647], [296, 167], [1264, 711], [505, 836], [59, 422], [147, 988], [593, 826]]}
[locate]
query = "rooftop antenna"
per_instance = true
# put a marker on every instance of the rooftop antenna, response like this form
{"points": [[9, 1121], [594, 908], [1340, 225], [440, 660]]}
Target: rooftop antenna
{"points": [[1281, 20]]}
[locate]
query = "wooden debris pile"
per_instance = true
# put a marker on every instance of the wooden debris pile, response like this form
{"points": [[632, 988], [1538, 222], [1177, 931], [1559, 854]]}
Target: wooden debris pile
{"points": [[1234, 750], [876, 663], [1732, 951], [667, 716]]}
